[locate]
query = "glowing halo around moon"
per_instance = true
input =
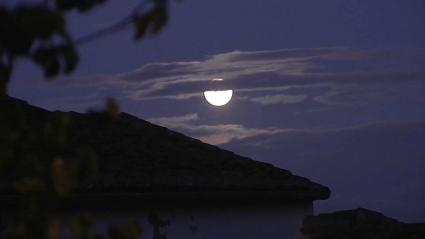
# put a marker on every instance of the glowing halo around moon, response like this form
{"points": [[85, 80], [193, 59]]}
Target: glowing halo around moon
{"points": [[218, 97]]}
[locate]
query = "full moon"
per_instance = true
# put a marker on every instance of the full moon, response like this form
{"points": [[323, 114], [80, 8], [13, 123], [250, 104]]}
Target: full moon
{"points": [[218, 97]]}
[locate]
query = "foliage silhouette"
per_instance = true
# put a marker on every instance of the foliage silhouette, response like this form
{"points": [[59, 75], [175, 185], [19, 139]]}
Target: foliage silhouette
{"points": [[40, 164], [39, 33]]}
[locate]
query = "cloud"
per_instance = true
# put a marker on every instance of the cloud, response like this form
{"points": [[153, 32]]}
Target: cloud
{"points": [[233, 134], [341, 70], [175, 121], [279, 99], [323, 75], [225, 133], [213, 134]]}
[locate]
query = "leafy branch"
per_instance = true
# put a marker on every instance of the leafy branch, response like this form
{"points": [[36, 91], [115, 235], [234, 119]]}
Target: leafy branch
{"points": [[39, 33]]}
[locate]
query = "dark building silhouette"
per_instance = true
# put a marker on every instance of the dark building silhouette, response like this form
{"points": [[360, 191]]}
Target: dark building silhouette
{"points": [[197, 189]]}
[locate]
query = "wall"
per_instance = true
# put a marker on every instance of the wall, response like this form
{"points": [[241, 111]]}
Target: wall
{"points": [[201, 222], [245, 222]]}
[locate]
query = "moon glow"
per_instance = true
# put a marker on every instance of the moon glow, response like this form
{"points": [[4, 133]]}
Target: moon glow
{"points": [[218, 97]]}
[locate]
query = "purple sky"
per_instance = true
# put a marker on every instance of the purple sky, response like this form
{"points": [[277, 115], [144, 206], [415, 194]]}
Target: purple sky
{"points": [[331, 90]]}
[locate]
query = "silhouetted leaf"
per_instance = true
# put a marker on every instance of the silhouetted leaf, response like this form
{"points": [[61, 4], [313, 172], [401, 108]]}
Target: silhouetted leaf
{"points": [[39, 22], [112, 108], [141, 24], [22, 26], [47, 58], [81, 5], [159, 19], [5, 72], [70, 57]]}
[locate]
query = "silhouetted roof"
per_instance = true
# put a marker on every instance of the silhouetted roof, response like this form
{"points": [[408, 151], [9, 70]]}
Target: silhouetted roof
{"points": [[135, 156], [359, 223]]}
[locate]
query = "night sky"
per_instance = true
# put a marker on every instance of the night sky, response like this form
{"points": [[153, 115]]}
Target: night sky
{"points": [[330, 90]]}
